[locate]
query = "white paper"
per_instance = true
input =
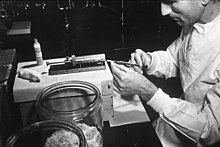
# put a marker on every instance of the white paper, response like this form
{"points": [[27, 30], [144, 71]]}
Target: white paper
{"points": [[127, 110]]}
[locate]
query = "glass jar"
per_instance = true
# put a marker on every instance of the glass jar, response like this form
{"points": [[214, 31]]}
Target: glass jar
{"points": [[41, 134], [77, 102]]}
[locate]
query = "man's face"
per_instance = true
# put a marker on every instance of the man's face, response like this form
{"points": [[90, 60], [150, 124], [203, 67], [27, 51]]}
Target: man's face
{"points": [[184, 12]]}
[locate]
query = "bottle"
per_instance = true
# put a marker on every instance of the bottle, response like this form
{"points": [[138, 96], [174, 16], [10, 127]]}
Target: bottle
{"points": [[38, 53]]}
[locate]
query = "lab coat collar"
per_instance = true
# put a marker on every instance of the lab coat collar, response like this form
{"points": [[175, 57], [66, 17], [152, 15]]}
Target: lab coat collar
{"points": [[203, 29]]}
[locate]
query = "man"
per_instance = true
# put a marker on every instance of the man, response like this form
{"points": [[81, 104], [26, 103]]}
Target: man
{"points": [[194, 57]]}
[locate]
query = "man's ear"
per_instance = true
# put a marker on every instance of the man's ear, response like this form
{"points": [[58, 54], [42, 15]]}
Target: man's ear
{"points": [[205, 2]]}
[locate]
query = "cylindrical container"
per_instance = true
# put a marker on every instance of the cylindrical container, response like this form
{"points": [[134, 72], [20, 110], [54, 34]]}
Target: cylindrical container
{"points": [[77, 102], [48, 133], [38, 53]]}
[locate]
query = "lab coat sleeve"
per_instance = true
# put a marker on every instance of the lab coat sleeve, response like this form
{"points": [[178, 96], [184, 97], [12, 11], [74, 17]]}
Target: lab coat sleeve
{"points": [[164, 64], [196, 124], [212, 111], [199, 120]]}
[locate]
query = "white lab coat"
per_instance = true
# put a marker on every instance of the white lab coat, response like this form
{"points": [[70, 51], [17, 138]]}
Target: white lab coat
{"points": [[195, 116]]}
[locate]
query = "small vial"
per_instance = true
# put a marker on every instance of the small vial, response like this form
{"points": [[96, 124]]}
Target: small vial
{"points": [[38, 53]]}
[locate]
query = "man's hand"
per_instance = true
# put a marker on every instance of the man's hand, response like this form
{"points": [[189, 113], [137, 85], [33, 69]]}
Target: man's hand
{"points": [[140, 58], [129, 82]]}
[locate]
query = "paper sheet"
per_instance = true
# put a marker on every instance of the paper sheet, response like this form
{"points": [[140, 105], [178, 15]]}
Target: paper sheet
{"points": [[127, 110]]}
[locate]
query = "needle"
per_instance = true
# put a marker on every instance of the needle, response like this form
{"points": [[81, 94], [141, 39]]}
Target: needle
{"points": [[123, 63]]}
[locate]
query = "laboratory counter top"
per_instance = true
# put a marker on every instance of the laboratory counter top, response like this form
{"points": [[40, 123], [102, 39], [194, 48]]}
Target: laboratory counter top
{"points": [[130, 135]]}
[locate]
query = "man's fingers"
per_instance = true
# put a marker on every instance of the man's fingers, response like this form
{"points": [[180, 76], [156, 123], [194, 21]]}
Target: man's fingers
{"points": [[138, 57], [117, 69]]}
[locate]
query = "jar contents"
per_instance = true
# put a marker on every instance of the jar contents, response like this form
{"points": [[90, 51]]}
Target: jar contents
{"points": [[92, 135], [62, 138]]}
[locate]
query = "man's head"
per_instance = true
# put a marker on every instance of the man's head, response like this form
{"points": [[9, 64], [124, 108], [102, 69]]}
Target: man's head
{"points": [[188, 12]]}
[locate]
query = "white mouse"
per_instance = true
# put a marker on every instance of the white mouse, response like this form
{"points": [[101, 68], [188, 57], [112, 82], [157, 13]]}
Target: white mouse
{"points": [[30, 75]]}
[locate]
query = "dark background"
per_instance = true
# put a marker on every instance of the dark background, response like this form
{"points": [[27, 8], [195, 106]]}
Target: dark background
{"points": [[104, 26]]}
